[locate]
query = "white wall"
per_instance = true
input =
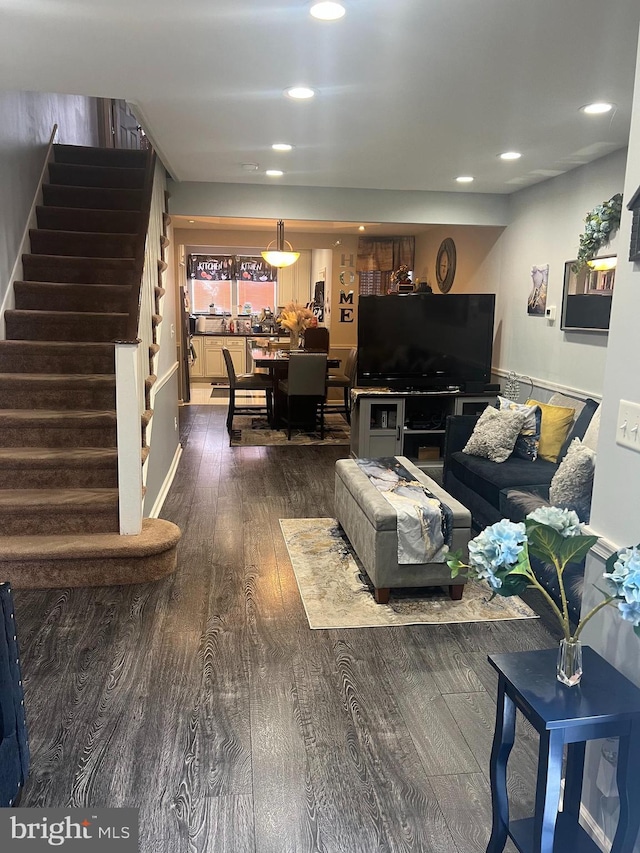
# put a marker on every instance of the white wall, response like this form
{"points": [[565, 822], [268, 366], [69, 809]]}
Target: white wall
{"points": [[546, 223], [616, 498], [476, 270], [344, 205], [26, 122]]}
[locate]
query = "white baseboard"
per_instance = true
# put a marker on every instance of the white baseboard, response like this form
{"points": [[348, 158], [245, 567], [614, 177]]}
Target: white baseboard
{"points": [[25, 246], [155, 510]]}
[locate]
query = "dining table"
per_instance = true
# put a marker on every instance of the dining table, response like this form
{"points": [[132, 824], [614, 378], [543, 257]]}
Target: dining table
{"points": [[277, 363]]}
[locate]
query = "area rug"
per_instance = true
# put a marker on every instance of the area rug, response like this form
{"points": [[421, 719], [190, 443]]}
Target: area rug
{"points": [[251, 431], [337, 593]]}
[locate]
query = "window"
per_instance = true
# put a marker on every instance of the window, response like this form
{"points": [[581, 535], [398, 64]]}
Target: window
{"points": [[234, 284], [253, 296], [374, 283]]}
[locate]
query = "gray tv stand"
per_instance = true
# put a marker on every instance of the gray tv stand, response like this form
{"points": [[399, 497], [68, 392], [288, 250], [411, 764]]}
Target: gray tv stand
{"points": [[385, 422]]}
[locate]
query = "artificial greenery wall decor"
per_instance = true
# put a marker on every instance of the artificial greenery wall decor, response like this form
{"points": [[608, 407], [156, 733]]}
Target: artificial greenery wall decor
{"points": [[600, 224]]}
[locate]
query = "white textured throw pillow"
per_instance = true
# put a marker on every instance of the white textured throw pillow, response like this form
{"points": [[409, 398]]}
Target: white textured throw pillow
{"points": [[572, 483], [495, 434]]}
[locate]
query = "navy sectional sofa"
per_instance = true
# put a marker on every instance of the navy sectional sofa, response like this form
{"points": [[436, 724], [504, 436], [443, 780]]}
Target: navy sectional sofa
{"points": [[510, 489]]}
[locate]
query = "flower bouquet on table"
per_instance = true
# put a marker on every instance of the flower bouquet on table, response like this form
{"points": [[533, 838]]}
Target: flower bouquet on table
{"points": [[296, 318], [500, 556]]}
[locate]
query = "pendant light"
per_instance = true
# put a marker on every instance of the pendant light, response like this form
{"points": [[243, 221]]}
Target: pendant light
{"points": [[280, 257]]}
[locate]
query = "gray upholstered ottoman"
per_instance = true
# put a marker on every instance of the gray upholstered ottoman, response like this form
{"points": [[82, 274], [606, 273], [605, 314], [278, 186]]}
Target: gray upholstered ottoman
{"points": [[370, 524]]}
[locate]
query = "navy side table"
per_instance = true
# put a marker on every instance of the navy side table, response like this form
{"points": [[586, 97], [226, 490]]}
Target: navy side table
{"points": [[605, 704]]}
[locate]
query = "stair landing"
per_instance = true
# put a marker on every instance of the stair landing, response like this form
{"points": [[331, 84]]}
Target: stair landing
{"points": [[108, 559]]}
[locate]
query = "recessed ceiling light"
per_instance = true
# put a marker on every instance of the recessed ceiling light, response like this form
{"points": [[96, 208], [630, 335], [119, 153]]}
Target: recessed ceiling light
{"points": [[360, 227], [464, 179], [281, 146], [327, 10], [191, 221], [511, 155], [250, 167], [597, 108], [274, 173], [299, 93]]}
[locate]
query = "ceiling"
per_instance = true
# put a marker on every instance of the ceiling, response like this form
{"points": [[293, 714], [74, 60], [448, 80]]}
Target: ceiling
{"points": [[410, 93]]}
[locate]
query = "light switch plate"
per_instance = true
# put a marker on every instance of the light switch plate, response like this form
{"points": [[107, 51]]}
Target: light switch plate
{"points": [[628, 426]]}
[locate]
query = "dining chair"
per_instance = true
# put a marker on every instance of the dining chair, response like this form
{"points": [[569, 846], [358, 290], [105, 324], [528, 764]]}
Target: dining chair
{"points": [[246, 382], [316, 339], [346, 381], [305, 390]]}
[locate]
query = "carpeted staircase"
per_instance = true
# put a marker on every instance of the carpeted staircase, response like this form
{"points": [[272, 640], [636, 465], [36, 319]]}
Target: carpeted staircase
{"points": [[59, 518]]}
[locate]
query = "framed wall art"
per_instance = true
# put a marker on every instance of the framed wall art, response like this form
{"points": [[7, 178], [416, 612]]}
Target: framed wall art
{"points": [[587, 295]]}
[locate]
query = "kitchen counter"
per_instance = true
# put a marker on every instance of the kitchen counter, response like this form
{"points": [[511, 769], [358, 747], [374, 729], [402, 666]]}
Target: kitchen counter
{"points": [[238, 335]]}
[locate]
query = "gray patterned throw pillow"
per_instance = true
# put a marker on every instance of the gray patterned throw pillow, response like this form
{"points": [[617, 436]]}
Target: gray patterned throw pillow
{"points": [[526, 446], [495, 434], [572, 483]]}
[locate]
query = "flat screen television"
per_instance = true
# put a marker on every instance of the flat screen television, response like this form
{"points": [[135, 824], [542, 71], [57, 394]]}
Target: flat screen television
{"points": [[426, 342]]}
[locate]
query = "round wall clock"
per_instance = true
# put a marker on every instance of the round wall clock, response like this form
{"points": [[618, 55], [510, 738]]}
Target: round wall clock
{"points": [[446, 265]]}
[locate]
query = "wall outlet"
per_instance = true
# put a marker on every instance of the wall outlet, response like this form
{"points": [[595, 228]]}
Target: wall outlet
{"points": [[628, 425], [550, 313]]}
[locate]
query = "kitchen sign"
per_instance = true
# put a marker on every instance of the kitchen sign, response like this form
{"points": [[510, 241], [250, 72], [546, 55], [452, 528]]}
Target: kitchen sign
{"points": [[250, 268], [212, 267]]}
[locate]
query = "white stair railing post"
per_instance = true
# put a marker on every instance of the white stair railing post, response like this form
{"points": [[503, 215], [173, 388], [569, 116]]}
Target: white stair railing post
{"points": [[129, 432]]}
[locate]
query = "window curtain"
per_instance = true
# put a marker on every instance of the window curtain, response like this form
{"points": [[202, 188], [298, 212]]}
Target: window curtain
{"points": [[378, 257], [385, 254]]}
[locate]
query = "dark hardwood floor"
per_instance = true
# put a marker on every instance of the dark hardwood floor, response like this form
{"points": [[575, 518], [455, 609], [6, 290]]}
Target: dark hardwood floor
{"points": [[207, 702]]}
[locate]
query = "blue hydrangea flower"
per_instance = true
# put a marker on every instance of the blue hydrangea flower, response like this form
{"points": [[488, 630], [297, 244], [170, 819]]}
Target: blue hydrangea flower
{"points": [[563, 521], [627, 565], [630, 611], [631, 587], [497, 547]]}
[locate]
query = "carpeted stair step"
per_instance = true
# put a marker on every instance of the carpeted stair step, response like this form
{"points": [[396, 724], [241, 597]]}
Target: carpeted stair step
{"points": [[149, 382], [79, 219], [82, 244], [64, 326], [79, 175], [93, 198], [57, 428], [46, 511], [76, 270], [153, 351], [57, 391], [145, 420], [58, 468], [42, 562], [57, 296], [123, 157], [56, 357]]}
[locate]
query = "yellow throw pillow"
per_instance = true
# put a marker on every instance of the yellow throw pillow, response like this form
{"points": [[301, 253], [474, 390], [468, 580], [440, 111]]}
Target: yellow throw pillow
{"points": [[556, 423]]}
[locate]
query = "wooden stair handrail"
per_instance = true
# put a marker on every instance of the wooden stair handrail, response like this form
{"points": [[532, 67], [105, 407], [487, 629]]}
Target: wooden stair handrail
{"points": [[141, 239]]}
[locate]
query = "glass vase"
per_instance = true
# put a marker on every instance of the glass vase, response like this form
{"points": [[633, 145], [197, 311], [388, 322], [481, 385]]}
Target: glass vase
{"points": [[569, 668], [294, 340]]}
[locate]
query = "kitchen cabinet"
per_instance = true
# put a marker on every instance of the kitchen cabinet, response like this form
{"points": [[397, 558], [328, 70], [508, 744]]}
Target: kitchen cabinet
{"points": [[209, 356], [294, 282], [196, 369]]}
